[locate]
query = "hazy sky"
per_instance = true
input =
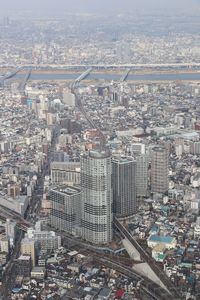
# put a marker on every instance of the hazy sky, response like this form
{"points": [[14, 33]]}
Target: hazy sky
{"points": [[172, 6]]}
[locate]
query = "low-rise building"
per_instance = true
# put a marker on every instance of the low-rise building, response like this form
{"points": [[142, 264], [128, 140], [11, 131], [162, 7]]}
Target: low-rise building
{"points": [[38, 273], [158, 252], [168, 241]]}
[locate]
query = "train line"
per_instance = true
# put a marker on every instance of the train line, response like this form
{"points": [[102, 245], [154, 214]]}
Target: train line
{"points": [[121, 265], [80, 106], [148, 259], [148, 286], [6, 213]]}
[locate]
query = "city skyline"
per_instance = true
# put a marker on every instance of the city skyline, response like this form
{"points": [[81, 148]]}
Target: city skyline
{"points": [[100, 149]]}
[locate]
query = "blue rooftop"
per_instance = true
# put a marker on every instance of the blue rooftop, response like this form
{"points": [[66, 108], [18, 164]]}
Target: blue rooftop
{"points": [[180, 251], [16, 290], [161, 239], [155, 229]]}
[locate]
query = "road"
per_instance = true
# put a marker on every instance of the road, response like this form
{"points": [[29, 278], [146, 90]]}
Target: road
{"points": [[144, 255], [9, 276]]}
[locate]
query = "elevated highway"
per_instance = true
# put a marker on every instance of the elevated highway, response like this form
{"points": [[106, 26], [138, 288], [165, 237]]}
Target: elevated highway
{"points": [[156, 275], [125, 75], [22, 85], [147, 286], [121, 265], [83, 75], [146, 258], [6, 213], [9, 75], [80, 78]]}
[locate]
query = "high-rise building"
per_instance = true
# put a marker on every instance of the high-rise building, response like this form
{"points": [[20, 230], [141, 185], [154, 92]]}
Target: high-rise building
{"points": [[142, 163], [124, 186], [28, 248], [13, 189], [23, 265], [11, 228], [66, 210], [195, 148], [159, 169], [46, 241], [96, 196], [4, 244], [138, 151], [65, 173]]}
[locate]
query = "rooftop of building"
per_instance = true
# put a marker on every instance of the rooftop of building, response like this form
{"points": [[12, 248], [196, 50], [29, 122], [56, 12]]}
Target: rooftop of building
{"points": [[20, 198], [24, 257], [57, 165], [38, 269], [27, 241], [97, 154], [159, 148], [122, 160], [67, 190], [161, 239]]}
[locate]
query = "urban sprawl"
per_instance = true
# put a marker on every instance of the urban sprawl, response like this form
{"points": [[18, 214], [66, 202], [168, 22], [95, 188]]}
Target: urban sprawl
{"points": [[99, 178]]}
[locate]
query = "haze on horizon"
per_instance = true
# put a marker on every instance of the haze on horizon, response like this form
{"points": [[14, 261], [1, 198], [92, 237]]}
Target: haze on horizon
{"points": [[100, 6]]}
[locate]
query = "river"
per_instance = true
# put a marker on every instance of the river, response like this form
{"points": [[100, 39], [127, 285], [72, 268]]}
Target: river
{"points": [[185, 76]]}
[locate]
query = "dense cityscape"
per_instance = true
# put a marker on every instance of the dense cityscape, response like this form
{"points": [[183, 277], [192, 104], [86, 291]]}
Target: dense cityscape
{"points": [[99, 157]]}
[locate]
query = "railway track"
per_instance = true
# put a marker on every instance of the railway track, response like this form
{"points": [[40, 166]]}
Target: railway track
{"points": [[149, 260]]}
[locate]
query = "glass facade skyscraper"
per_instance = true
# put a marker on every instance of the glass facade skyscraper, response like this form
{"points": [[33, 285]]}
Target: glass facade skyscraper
{"points": [[124, 186], [159, 170]]}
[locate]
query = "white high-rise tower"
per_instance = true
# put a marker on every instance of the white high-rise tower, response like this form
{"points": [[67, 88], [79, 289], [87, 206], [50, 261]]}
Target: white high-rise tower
{"points": [[96, 197]]}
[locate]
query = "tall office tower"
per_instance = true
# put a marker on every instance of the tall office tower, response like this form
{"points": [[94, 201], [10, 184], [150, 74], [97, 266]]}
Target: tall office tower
{"points": [[142, 163], [138, 151], [66, 211], [124, 186], [195, 148], [23, 266], [159, 170], [28, 247], [11, 230], [96, 196]]}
